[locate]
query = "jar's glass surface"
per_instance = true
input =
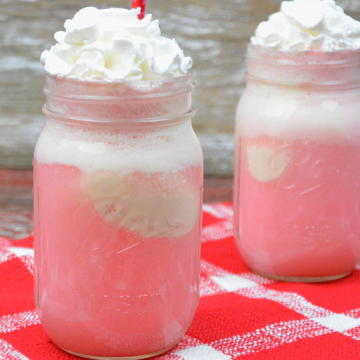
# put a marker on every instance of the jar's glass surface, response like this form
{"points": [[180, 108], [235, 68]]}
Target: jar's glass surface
{"points": [[118, 195], [297, 170]]}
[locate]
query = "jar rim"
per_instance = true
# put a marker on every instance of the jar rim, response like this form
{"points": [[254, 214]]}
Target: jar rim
{"points": [[104, 82], [75, 97], [80, 121], [67, 99], [302, 58], [315, 70], [318, 86], [63, 87]]}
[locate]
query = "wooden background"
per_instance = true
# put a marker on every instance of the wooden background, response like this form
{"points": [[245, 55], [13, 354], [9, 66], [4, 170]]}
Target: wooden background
{"points": [[213, 32]]}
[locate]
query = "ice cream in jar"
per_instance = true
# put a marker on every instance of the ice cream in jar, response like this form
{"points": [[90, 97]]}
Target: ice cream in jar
{"points": [[297, 167], [117, 188]]}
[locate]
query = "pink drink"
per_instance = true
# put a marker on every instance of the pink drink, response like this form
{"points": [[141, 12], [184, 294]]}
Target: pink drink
{"points": [[105, 290], [118, 195], [304, 222], [297, 167]]}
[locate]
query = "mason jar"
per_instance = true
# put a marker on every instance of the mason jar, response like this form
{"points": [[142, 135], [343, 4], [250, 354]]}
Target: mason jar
{"points": [[297, 167], [118, 180]]}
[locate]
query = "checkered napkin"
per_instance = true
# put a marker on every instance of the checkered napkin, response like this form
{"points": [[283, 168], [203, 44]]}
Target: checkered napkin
{"points": [[241, 315]]}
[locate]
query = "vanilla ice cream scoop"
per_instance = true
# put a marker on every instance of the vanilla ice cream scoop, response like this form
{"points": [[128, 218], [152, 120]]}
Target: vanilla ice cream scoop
{"points": [[145, 208], [265, 164], [309, 25], [113, 45]]}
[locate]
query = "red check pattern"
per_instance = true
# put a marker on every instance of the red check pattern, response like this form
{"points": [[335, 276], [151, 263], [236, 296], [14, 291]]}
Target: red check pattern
{"points": [[241, 315]]}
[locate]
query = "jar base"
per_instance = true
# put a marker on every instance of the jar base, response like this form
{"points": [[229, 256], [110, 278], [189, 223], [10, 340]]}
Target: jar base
{"points": [[138, 357], [302, 279]]}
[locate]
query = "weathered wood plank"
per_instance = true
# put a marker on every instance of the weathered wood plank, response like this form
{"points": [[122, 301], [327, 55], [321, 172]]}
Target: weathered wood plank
{"points": [[16, 202], [215, 33]]}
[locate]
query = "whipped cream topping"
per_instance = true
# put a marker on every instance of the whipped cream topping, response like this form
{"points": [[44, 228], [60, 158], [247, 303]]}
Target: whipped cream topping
{"points": [[112, 45], [309, 25]]}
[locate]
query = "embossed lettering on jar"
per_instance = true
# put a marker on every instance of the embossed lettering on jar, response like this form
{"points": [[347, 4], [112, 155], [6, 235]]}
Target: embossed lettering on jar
{"points": [[118, 194], [297, 188]]}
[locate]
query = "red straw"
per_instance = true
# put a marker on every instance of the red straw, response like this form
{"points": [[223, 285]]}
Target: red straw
{"points": [[139, 4]]}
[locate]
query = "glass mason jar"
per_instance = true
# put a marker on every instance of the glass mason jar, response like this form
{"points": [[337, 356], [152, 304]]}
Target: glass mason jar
{"points": [[297, 166], [118, 196]]}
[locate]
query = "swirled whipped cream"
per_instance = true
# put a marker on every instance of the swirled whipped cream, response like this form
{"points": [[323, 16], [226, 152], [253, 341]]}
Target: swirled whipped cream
{"points": [[113, 45], [309, 25]]}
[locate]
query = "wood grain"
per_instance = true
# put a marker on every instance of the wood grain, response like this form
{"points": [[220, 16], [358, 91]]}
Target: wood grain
{"points": [[215, 33]]}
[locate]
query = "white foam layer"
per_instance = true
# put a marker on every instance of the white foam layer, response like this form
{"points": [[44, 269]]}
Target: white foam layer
{"points": [[163, 150], [112, 45], [298, 114], [309, 25]]}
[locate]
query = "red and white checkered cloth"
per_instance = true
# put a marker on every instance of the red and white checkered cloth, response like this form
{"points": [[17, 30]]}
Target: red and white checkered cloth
{"points": [[241, 315]]}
